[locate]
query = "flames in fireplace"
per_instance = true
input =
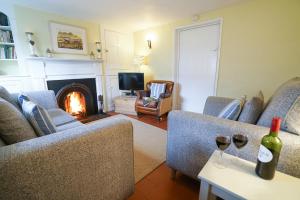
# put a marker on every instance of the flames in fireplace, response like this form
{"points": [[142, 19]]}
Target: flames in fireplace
{"points": [[75, 104]]}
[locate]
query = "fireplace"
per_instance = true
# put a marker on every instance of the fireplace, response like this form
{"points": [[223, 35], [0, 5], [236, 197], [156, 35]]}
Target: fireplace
{"points": [[78, 97]]}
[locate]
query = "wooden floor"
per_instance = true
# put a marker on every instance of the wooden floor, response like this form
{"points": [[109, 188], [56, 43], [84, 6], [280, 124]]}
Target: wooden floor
{"points": [[158, 185]]}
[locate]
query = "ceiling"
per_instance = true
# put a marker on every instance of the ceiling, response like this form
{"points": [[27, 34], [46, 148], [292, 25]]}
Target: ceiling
{"points": [[135, 14]]}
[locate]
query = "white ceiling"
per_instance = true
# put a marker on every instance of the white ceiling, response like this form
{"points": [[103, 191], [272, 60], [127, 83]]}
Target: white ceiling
{"points": [[134, 14]]}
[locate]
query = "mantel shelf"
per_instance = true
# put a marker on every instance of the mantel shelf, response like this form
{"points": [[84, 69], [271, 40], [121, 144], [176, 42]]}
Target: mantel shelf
{"points": [[46, 59]]}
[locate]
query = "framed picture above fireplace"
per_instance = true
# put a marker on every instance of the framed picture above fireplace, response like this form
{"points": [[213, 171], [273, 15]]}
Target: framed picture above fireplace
{"points": [[68, 39]]}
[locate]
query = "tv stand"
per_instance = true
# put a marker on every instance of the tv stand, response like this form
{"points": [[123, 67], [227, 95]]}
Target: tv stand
{"points": [[131, 93], [125, 105]]}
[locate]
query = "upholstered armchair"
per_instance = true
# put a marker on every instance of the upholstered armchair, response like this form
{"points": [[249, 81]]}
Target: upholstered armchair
{"points": [[159, 108]]}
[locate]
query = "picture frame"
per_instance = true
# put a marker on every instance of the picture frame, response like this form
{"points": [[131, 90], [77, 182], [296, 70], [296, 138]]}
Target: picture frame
{"points": [[68, 39]]}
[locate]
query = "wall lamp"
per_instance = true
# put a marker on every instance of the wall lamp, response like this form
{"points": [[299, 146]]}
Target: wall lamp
{"points": [[149, 44], [149, 38]]}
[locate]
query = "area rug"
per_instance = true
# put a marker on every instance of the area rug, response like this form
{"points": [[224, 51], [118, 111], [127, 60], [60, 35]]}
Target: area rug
{"points": [[150, 145]]}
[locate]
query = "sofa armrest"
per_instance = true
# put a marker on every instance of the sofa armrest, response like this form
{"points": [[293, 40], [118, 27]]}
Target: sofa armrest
{"points": [[164, 105], [214, 105], [191, 141], [45, 98], [93, 161]]}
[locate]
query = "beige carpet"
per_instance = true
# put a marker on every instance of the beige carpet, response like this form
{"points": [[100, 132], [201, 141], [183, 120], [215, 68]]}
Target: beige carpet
{"points": [[149, 147]]}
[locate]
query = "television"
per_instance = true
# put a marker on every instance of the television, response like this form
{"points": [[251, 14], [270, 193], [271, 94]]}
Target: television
{"points": [[131, 81]]}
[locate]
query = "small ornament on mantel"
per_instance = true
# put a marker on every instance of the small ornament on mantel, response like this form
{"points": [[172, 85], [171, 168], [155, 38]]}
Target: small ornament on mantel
{"points": [[49, 53], [98, 50], [32, 44], [92, 55]]}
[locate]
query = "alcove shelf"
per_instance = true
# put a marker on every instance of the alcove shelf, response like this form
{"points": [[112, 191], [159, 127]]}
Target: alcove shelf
{"points": [[7, 45]]}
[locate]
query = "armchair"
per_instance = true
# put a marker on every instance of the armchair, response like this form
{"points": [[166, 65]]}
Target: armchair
{"points": [[164, 104]]}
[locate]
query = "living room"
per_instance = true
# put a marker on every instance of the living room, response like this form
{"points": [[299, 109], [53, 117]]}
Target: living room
{"points": [[134, 98]]}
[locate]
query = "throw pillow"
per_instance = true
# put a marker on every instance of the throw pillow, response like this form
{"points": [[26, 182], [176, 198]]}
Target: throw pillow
{"points": [[38, 117], [4, 94], [21, 98], [291, 122], [281, 102], [150, 102], [233, 109], [157, 89], [13, 125], [252, 109]]}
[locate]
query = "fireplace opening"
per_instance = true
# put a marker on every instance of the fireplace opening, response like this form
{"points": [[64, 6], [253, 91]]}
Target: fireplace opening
{"points": [[75, 104], [78, 97]]}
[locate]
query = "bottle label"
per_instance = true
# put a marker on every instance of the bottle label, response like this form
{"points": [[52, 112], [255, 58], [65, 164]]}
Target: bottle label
{"points": [[264, 154]]}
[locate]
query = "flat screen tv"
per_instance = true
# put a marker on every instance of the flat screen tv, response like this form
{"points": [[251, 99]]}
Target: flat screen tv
{"points": [[131, 81]]}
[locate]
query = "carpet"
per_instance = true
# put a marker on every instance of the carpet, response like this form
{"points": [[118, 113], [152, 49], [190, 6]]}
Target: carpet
{"points": [[150, 145]]}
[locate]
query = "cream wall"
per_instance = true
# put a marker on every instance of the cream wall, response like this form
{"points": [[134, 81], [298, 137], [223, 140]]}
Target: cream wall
{"points": [[260, 46], [27, 19]]}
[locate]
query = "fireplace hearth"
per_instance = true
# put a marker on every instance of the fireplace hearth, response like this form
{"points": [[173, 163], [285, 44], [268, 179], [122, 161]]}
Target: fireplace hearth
{"points": [[78, 97]]}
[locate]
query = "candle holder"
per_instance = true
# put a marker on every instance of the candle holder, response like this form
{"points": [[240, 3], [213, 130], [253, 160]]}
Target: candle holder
{"points": [[100, 99], [98, 50]]}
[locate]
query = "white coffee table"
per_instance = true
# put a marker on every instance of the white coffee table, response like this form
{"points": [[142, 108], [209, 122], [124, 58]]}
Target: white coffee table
{"points": [[239, 181]]}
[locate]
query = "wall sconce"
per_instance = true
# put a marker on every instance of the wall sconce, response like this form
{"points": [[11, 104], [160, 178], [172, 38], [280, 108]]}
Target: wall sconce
{"points": [[149, 44], [140, 60], [149, 38]]}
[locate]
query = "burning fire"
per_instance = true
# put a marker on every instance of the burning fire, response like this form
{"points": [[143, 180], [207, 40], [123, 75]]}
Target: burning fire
{"points": [[75, 104]]}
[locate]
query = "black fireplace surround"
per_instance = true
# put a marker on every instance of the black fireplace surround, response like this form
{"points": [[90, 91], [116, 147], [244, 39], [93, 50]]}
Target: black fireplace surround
{"points": [[86, 86]]}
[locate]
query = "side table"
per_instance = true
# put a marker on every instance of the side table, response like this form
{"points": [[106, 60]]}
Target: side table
{"points": [[239, 181]]}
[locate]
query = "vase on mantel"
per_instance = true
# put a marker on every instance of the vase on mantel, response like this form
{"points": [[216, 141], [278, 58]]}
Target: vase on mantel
{"points": [[32, 44]]}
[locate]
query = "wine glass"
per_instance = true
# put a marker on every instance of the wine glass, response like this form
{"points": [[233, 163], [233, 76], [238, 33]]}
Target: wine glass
{"points": [[239, 140], [223, 143]]}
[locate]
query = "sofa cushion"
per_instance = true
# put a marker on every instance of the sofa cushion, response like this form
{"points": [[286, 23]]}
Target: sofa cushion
{"points": [[157, 89], [233, 109], [70, 125], [21, 98], [291, 122], [4, 94], [252, 109], [214, 105], [150, 102], [281, 102], [38, 117], [13, 125], [60, 117]]}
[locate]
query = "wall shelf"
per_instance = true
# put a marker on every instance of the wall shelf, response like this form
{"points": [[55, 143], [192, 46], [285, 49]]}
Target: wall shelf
{"points": [[7, 44], [2, 59], [5, 28]]}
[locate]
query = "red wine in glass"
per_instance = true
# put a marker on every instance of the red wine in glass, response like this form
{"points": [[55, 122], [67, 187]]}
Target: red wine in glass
{"points": [[223, 143], [239, 140]]}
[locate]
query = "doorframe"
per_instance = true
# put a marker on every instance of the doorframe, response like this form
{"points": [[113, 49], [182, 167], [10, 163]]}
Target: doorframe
{"points": [[178, 30]]}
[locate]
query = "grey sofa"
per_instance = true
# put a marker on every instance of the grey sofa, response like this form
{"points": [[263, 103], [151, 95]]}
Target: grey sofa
{"points": [[191, 136], [93, 161]]}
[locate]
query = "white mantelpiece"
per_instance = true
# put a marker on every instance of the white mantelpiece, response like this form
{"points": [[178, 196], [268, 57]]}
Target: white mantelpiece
{"points": [[43, 69], [45, 59]]}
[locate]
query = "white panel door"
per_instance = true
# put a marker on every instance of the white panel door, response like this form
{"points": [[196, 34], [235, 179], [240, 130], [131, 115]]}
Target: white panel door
{"points": [[197, 66], [118, 52]]}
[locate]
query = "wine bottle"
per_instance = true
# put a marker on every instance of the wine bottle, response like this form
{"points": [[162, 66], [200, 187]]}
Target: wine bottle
{"points": [[269, 151]]}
